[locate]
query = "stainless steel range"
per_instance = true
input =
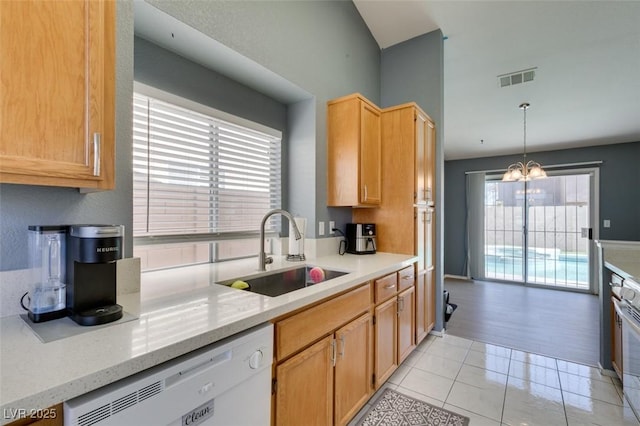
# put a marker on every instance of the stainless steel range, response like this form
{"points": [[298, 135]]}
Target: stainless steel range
{"points": [[629, 311]]}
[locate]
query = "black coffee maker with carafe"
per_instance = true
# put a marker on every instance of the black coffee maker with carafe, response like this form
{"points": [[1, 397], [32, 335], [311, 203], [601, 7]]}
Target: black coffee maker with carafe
{"points": [[92, 252]]}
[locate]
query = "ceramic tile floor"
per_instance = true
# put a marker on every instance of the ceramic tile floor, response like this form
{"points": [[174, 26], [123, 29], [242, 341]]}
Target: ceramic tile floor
{"points": [[494, 385]]}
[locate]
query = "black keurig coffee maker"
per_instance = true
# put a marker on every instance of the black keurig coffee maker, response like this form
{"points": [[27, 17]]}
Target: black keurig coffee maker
{"points": [[92, 251]]}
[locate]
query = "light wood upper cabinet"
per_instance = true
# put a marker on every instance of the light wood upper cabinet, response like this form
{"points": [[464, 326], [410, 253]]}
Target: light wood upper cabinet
{"points": [[57, 98], [407, 176], [425, 131], [430, 169], [420, 194], [353, 152]]}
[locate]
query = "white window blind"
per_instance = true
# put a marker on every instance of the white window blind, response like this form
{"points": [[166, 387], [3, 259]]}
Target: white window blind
{"points": [[195, 174]]}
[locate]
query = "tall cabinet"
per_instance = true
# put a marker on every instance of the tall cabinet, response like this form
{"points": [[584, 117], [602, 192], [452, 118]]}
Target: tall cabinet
{"points": [[57, 98], [405, 220]]}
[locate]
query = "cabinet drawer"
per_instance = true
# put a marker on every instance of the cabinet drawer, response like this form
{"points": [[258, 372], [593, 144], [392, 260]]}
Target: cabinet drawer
{"points": [[406, 278], [301, 329], [386, 287]]}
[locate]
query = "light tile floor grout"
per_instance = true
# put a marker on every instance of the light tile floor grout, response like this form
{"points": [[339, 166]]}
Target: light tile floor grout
{"points": [[573, 395]]}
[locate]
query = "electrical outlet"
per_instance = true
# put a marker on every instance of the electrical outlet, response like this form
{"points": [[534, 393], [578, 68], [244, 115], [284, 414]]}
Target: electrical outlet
{"points": [[606, 223], [332, 225], [320, 228]]}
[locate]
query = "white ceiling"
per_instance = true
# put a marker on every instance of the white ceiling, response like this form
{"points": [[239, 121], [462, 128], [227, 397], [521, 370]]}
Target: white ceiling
{"points": [[587, 54]]}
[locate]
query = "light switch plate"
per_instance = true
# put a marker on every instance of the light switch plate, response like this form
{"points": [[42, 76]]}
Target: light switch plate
{"points": [[320, 228], [606, 223]]}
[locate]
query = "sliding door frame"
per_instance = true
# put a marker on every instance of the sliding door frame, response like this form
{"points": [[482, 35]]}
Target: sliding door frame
{"points": [[594, 220]]}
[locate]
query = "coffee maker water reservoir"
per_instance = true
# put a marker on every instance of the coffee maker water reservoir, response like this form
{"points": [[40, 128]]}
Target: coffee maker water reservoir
{"points": [[47, 273], [92, 252]]}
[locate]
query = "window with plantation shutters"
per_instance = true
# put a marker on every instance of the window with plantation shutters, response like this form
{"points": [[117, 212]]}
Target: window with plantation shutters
{"points": [[199, 177]]}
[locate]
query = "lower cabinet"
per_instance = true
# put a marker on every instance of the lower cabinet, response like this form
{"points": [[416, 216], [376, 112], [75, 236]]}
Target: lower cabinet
{"points": [[386, 338], [353, 368], [52, 416], [430, 291], [304, 387], [327, 381], [425, 304], [406, 323], [331, 357], [394, 324]]}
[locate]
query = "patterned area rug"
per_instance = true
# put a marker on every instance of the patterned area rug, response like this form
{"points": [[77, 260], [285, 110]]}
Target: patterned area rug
{"points": [[395, 409]]}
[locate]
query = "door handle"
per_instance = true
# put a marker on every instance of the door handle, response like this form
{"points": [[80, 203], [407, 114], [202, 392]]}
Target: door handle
{"points": [[333, 352], [96, 154]]}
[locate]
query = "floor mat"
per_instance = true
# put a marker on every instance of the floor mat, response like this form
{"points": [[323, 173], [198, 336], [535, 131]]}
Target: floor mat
{"points": [[395, 409]]}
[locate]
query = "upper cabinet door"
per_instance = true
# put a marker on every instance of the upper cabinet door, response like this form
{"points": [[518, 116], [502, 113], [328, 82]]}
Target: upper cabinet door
{"points": [[420, 195], [353, 152], [431, 163], [370, 155], [425, 131], [57, 93]]}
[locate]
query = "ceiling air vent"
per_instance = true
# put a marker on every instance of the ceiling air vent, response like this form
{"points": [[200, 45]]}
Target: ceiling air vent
{"points": [[517, 77]]}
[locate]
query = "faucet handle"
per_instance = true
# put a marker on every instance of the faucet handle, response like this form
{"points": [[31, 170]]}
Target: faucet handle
{"points": [[268, 260]]}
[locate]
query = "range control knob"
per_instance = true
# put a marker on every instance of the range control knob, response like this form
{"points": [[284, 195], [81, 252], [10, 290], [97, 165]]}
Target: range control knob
{"points": [[255, 360], [627, 294]]}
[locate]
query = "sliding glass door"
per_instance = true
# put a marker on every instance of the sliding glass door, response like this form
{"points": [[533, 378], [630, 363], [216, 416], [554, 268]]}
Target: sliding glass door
{"points": [[538, 232]]}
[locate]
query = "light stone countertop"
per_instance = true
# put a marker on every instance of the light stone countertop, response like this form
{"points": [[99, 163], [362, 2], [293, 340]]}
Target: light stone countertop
{"points": [[179, 310], [623, 258]]}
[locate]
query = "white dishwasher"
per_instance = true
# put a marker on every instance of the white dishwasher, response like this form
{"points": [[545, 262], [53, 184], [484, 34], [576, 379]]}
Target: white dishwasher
{"points": [[225, 383]]}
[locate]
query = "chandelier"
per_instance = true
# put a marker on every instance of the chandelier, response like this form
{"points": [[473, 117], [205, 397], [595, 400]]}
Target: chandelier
{"points": [[524, 170]]}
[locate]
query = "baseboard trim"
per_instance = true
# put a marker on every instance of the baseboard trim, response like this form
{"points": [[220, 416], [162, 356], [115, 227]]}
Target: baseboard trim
{"points": [[457, 277], [437, 333], [605, 372]]}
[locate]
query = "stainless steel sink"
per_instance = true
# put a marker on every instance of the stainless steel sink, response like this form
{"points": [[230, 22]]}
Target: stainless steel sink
{"points": [[282, 282]]}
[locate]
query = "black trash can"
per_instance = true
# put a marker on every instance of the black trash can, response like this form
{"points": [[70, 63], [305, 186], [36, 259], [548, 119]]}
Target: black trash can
{"points": [[447, 308]]}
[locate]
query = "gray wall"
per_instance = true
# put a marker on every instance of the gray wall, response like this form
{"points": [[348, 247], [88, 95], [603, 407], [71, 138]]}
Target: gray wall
{"points": [[24, 205], [172, 73], [413, 71], [323, 47], [619, 193]]}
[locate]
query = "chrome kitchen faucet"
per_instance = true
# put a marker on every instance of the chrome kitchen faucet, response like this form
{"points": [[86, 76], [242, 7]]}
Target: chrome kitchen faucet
{"points": [[263, 260]]}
